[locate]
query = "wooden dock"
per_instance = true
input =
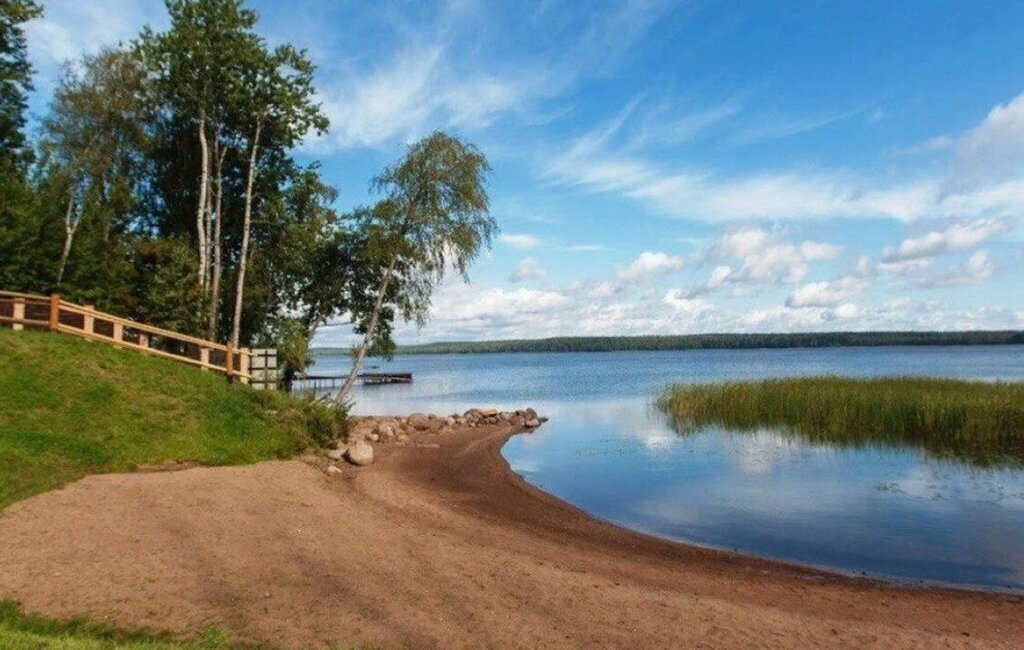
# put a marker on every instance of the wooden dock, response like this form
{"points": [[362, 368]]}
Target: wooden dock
{"points": [[367, 378]]}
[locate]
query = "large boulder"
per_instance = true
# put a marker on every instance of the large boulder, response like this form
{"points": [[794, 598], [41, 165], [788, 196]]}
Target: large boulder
{"points": [[419, 422], [360, 454], [488, 413]]}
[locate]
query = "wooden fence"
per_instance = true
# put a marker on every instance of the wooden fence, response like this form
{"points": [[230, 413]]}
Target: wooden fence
{"points": [[21, 311]]}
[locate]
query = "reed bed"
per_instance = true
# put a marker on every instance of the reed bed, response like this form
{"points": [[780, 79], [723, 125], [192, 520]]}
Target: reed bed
{"points": [[979, 422]]}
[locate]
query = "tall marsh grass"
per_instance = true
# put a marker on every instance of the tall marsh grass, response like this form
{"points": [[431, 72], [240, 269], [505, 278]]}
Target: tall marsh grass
{"points": [[979, 422]]}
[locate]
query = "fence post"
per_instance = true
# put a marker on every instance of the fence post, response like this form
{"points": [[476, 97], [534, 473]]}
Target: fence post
{"points": [[204, 358], [229, 360], [244, 364], [54, 311], [19, 312], [89, 322]]}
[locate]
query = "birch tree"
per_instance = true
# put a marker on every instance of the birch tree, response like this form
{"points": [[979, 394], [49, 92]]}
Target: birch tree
{"points": [[278, 95], [195, 63], [434, 218], [94, 144]]}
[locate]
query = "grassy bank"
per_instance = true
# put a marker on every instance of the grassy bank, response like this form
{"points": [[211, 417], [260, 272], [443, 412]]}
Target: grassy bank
{"points": [[978, 422], [20, 631], [69, 408]]}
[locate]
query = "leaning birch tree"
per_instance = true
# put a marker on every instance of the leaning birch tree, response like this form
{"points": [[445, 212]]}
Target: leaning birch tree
{"points": [[434, 218]]}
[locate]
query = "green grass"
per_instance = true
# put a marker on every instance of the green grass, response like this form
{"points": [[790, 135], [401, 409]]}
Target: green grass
{"points": [[70, 407], [19, 631], [978, 422]]}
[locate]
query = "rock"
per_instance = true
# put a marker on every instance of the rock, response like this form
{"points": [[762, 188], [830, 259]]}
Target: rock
{"points": [[360, 454], [542, 420], [504, 416], [518, 422], [532, 423], [530, 414], [419, 422], [334, 470], [488, 413], [472, 414], [449, 422], [336, 454], [386, 432], [373, 437]]}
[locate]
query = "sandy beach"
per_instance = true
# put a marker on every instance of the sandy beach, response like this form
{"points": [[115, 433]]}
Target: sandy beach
{"points": [[438, 544]]}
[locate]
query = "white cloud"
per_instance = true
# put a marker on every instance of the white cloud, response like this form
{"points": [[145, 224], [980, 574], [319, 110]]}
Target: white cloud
{"points": [[763, 258], [528, 269], [648, 265], [825, 294], [586, 248], [685, 305], [994, 149], [522, 240], [957, 237]]}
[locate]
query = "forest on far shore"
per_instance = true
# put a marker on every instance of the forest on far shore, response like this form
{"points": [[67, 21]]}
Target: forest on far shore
{"points": [[710, 342]]}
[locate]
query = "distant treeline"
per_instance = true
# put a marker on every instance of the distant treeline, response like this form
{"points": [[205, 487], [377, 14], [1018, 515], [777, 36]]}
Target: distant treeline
{"points": [[712, 342]]}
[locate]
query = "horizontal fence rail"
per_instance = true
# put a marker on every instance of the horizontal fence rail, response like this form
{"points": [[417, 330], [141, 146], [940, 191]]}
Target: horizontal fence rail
{"points": [[20, 311]]}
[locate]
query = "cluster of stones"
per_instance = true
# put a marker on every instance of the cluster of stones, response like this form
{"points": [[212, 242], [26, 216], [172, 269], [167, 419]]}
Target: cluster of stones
{"points": [[365, 431]]}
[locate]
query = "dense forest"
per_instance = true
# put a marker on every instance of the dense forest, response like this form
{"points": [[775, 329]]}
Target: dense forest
{"points": [[161, 185], [711, 342]]}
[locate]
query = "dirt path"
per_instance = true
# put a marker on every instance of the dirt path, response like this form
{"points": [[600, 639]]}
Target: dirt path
{"points": [[428, 548]]}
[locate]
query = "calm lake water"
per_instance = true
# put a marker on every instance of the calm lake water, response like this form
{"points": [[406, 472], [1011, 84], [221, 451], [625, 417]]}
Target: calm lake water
{"points": [[894, 513]]}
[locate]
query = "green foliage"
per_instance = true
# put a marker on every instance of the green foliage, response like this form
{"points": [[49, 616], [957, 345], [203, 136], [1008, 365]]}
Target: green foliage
{"points": [[434, 215], [15, 75], [72, 408], [327, 422], [167, 293], [20, 631], [291, 339], [719, 342], [978, 422]]}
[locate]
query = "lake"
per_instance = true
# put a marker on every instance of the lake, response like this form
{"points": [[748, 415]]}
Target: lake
{"points": [[887, 512]]}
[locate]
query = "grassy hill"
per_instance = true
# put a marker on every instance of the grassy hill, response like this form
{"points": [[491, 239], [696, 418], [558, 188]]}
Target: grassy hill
{"points": [[69, 408]]}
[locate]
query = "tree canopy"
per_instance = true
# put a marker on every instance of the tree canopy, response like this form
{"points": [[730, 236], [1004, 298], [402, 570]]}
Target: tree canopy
{"points": [[162, 186]]}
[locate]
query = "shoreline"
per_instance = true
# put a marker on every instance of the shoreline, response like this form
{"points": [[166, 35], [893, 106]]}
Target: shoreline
{"points": [[436, 545]]}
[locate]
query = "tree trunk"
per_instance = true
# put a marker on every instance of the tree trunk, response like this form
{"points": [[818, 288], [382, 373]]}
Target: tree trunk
{"points": [[204, 179], [211, 321], [236, 323], [357, 362], [69, 235]]}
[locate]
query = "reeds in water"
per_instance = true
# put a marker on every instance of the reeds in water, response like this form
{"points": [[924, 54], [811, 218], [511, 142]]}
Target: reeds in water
{"points": [[979, 422]]}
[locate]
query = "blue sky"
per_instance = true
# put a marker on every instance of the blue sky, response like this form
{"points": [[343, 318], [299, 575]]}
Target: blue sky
{"points": [[674, 167]]}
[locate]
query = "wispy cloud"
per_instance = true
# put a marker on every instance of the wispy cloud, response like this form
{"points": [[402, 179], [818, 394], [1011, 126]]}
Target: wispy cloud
{"points": [[596, 162], [774, 127], [519, 240]]}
